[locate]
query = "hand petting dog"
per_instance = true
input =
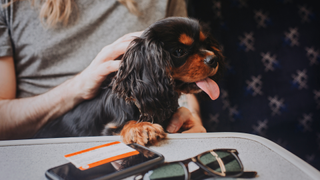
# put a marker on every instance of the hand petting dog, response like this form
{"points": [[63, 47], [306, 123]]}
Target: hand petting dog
{"points": [[104, 63], [139, 100]]}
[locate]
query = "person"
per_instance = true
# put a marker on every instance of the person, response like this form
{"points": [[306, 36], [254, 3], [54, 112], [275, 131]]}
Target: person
{"points": [[53, 55]]}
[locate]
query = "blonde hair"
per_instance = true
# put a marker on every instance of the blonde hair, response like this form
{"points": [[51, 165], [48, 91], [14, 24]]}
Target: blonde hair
{"points": [[53, 12], [56, 11]]}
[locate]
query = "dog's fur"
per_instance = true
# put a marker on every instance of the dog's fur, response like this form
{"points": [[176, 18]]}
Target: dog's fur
{"points": [[167, 60]]}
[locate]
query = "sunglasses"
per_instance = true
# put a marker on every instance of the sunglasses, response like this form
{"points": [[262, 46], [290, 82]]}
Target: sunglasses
{"points": [[212, 163]]}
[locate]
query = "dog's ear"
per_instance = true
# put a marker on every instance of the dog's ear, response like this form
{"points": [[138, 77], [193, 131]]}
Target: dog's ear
{"points": [[217, 49], [144, 79]]}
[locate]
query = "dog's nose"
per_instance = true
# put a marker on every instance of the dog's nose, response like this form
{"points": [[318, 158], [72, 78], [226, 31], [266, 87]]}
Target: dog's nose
{"points": [[211, 61]]}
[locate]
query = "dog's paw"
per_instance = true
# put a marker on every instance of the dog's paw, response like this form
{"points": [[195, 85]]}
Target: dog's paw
{"points": [[142, 133]]}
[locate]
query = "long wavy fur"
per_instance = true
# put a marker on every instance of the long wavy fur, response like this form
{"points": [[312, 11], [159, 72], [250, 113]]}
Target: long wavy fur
{"points": [[144, 78]]}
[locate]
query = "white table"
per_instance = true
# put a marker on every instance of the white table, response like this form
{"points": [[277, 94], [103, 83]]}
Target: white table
{"points": [[29, 159]]}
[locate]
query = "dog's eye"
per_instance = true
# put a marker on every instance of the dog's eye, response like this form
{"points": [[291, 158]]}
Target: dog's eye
{"points": [[179, 52]]}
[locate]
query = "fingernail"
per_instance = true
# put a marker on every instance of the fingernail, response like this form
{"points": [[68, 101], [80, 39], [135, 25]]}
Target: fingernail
{"points": [[171, 128]]}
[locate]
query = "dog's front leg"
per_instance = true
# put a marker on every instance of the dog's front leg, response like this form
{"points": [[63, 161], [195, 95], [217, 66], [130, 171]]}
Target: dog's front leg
{"points": [[142, 133]]}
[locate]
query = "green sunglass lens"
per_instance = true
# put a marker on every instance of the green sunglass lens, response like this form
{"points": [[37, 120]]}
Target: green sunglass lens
{"points": [[168, 172], [229, 161]]}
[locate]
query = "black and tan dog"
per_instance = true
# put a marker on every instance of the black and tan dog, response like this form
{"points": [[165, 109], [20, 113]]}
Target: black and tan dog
{"points": [[173, 56]]}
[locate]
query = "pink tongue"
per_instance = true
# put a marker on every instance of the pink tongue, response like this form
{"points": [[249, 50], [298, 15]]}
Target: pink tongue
{"points": [[210, 87]]}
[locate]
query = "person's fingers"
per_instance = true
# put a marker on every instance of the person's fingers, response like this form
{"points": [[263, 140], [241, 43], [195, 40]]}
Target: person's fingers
{"points": [[100, 73], [111, 52], [109, 67], [178, 119], [175, 124], [119, 47]]}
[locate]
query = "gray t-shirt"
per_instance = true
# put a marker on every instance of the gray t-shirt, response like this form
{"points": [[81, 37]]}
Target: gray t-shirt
{"points": [[44, 58]]}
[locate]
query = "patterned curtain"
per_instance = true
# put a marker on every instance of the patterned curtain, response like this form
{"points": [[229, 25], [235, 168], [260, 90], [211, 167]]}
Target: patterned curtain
{"points": [[271, 86]]}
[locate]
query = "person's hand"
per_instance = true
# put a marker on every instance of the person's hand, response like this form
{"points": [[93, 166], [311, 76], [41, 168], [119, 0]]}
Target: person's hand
{"points": [[90, 79], [186, 122]]}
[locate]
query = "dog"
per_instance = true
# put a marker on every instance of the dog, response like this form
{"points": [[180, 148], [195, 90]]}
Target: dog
{"points": [[173, 56]]}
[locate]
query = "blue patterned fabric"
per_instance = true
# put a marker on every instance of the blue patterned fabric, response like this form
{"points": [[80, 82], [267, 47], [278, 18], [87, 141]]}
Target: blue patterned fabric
{"points": [[271, 86]]}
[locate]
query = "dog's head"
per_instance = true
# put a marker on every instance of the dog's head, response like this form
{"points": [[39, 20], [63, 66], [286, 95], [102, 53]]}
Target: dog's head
{"points": [[173, 56], [195, 55]]}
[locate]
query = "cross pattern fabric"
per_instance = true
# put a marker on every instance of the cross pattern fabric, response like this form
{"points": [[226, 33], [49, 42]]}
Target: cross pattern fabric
{"points": [[271, 85]]}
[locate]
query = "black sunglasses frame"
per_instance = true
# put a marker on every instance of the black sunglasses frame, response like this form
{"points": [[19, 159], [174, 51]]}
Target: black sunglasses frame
{"points": [[208, 171], [212, 172]]}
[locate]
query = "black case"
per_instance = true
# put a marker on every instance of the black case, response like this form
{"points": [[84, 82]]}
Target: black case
{"points": [[99, 173]]}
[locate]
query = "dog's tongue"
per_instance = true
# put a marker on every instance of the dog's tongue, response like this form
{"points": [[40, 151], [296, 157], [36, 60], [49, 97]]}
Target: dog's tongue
{"points": [[210, 87]]}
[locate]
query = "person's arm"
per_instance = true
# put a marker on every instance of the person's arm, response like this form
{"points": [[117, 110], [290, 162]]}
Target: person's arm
{"points": [[21, 118], [187, 119]]}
